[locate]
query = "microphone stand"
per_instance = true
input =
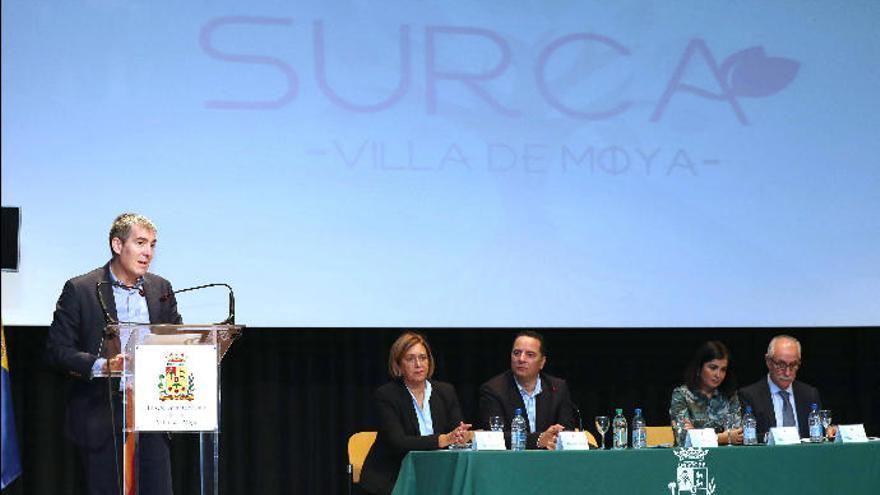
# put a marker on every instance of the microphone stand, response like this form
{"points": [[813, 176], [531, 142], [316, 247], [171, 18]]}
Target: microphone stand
{"points": [[109, 320], [230, 320], [578, 411], [209, 443]]}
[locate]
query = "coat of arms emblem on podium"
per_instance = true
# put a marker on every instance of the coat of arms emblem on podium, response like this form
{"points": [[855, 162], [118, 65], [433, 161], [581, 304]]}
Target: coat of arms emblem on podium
{"points": [[177, 383]]}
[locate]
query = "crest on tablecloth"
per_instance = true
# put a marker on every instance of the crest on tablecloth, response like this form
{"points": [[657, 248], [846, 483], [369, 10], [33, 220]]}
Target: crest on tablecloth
{"points": [[692, 475]]}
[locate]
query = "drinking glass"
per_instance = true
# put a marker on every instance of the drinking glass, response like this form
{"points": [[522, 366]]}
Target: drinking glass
{"points": [[602, 424], [679, 429], [496, 423], [731, 424], [728, 425], [825, 415]]}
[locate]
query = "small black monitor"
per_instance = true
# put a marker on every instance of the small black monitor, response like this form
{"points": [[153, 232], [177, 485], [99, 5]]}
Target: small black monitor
{"points": [[9, 237]]}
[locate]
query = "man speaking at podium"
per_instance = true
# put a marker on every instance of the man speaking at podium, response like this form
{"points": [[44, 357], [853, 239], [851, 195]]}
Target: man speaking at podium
{"points": [[77, 345]]}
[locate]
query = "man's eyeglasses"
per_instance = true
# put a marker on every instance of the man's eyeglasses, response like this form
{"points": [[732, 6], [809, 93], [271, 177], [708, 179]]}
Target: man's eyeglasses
{"points": [[782, 366]]}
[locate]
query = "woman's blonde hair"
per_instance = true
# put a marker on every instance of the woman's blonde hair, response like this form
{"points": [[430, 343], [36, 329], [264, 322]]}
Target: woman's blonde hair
{"points": [[400, 347]]}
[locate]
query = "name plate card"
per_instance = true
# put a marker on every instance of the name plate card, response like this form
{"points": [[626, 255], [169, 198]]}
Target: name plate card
{"points": [[783, 435], [851, 434], [489, 440], [572, 440], [703, 437]]}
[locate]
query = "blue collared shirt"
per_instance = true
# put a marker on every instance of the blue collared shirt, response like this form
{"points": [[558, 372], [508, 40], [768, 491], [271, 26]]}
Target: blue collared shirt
{"points": [[777, 402], [529, 401], [426, 422], [131, 307]]}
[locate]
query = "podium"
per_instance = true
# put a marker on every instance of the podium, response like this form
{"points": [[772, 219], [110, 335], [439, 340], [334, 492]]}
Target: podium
{"points": [[170, 383]]}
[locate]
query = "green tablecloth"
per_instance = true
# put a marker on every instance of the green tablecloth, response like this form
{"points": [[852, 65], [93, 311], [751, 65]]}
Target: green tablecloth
{"points": [[821, 468]]}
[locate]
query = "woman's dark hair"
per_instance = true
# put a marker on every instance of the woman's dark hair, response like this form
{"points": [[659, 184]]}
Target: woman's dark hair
{"points": [[710, 350]]}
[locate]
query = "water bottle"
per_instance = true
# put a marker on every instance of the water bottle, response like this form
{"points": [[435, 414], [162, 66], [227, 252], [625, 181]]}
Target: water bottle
{"points": [[639, 435], [750, 427], [518, 431], [618, 425], [815, 422]]}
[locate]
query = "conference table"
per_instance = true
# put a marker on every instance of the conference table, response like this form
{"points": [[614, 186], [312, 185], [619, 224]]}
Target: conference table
{"points": [[805, 468]]}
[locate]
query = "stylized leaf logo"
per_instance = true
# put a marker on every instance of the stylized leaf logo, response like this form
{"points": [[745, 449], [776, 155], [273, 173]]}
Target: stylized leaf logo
{"points": [[752, 73]]}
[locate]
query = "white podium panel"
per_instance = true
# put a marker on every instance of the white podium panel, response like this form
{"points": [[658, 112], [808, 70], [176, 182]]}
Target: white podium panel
{"points": [[176, 388]]}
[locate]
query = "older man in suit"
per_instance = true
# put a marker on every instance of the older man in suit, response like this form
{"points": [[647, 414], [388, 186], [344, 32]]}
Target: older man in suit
{"points": [[544, 399], [78, 346], [779, 399]]}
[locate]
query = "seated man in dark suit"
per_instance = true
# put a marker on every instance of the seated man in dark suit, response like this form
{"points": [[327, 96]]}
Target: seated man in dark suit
{"points": [[779, 399], [544, 399]]}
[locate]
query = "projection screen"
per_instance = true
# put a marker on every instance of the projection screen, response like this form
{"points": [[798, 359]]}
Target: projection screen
{"points": [[458, 163]]}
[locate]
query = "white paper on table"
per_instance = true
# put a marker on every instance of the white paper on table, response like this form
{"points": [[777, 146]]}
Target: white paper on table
{"points": [[572, 440], [783, 435], [851, 434], [701, 437], [489, 440]]}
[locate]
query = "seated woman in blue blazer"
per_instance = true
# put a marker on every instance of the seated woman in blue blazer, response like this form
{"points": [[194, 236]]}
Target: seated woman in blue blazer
{"points": [[414, 413]]}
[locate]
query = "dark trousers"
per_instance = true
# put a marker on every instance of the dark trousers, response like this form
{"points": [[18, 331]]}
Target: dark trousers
{"points": [[154, 470]]}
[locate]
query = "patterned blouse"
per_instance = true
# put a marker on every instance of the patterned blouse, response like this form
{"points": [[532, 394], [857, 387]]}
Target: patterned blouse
{"points": [[703, 411]]}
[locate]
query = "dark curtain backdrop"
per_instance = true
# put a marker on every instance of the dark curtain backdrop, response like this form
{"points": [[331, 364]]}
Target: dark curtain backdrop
{"points": [[292, 397]]}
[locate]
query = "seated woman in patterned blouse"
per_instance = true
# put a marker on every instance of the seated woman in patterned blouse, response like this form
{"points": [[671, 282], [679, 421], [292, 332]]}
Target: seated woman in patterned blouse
{"points": [[706, 399]]}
